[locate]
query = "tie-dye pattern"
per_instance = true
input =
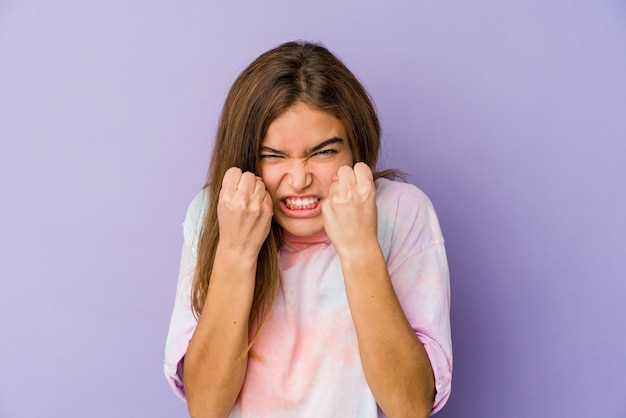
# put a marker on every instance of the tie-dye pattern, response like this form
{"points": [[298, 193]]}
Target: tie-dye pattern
{"points": [[308, 358]]}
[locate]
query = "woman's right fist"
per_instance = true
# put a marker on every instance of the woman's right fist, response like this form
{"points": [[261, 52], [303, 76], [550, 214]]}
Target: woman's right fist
{"points": [[244, 212]]}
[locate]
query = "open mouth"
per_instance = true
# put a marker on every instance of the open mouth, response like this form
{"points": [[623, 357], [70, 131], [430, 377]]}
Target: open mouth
{"points": [[300, 203]]}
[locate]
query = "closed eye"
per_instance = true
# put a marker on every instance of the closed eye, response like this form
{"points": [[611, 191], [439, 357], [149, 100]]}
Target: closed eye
{"points": [[325, 153], [270, 156]]}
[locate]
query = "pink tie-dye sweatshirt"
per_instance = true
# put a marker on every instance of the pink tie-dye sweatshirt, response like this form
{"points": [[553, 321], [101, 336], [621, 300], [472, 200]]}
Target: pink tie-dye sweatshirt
{"points": [[309, 363]]}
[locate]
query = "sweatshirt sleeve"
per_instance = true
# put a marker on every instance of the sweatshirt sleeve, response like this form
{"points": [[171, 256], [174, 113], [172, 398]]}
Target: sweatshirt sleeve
{"points": [[422, 286], [183, 323], [413, 242]]}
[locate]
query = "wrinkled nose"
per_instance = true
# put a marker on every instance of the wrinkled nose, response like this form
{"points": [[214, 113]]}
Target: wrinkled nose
{"points": [[299, 176]]}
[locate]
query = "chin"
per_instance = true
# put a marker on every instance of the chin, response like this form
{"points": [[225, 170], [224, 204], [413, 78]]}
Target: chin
{"points": [[301, 228]]}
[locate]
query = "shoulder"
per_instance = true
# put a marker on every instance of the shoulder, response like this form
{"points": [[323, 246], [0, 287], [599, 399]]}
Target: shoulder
{"points": [[198, 206], [390, 191], [403, 200], [405, 213], [195, 214]]}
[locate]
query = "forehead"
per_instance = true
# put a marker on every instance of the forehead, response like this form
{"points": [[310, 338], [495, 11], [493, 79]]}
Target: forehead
{"points": [[302, 126]]}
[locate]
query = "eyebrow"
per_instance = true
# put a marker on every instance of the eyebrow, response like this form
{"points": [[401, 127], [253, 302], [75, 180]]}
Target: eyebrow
{"points": [[321, 145]]}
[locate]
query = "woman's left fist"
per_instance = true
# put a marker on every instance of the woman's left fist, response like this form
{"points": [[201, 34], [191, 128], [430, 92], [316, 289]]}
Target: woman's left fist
{"points": [[349, 210]]}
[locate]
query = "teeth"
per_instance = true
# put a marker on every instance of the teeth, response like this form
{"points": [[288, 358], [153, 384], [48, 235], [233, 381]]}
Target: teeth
{"points": [[301, 202]]}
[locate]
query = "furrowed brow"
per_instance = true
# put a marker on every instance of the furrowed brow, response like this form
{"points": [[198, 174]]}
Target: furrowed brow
{"points": [[323, 145], [272, 151], [312, 150]]}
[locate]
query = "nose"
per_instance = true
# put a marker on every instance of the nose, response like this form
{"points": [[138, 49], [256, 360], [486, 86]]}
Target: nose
{"points": [[299, 176]]}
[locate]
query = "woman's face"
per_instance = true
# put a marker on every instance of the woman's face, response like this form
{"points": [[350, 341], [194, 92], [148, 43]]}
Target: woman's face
{"points": [[301, 152]]}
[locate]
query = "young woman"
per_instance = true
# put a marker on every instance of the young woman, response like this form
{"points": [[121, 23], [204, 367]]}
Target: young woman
{"points": [[310, 285]]}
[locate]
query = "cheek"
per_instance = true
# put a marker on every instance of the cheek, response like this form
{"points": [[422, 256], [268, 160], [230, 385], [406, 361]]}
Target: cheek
{"points": [[325, 175], [271, 179]]}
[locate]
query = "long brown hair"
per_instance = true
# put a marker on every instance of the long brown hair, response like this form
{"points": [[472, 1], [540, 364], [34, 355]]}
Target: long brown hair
{"points": [[276, 80]]}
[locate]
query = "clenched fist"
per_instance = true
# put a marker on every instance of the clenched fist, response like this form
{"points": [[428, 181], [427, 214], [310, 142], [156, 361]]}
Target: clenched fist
{"points": [[244, 212], [349, 211]]}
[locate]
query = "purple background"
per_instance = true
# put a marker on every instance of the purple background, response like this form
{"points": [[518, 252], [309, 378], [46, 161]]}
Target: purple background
{"points": [[510, 115]]}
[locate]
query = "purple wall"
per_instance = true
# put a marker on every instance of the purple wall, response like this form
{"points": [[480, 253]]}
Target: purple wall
{"points": [[510, 115]]}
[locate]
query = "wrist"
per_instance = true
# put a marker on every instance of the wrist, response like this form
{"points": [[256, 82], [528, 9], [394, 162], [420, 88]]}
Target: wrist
{"points": [[236, 257], [361, 254]]}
